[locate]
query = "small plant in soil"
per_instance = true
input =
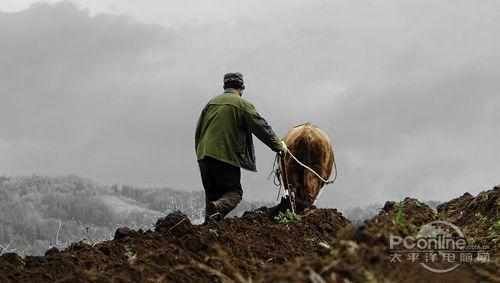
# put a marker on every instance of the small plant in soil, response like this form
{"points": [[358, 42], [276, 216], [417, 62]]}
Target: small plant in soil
{"points": [[495, 228], [400, 216], [494, 231], [287, 217]]}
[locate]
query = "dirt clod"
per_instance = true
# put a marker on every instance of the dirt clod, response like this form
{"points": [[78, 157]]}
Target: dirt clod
{"points": [[122, 233]]}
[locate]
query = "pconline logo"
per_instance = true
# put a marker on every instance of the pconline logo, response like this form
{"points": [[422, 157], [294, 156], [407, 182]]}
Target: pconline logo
{"points": [[439, 247]]}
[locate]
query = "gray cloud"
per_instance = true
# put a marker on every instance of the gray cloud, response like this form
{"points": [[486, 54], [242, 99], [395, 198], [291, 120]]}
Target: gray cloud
{"points": [[406, 89]]}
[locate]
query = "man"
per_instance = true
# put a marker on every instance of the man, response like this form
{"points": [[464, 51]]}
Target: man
{"points": [[223, 143]]}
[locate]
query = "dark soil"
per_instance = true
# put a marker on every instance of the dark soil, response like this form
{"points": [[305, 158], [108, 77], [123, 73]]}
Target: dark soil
{"points": [[322, 247]]}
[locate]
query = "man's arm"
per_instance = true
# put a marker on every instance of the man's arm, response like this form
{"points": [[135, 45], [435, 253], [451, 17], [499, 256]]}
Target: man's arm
{"points": [[260, 128]]}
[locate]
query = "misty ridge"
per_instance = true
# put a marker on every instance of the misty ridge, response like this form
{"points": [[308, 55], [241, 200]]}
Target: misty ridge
{"points": [[37, 213]]}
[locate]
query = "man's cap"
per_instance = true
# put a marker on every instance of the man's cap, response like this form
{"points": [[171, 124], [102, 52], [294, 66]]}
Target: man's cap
{"points": [[234, 77]]}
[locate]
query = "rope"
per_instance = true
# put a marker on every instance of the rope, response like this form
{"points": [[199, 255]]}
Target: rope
{"points": [[276, 173], [314, 172], [280, 173]]}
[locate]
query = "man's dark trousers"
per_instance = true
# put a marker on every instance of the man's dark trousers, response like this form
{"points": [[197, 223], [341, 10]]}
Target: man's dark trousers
{"points": [[222, 185]]}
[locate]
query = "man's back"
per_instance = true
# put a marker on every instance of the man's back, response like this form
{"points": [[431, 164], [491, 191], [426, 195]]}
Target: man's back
{"points": [[225, 129], [220, 128]]}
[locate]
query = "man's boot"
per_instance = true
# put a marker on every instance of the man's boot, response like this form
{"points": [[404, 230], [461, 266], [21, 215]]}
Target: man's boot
{"points": [[212, 212], [229, 201]]}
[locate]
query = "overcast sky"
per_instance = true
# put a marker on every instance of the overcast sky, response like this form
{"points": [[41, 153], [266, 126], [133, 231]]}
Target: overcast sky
{"points": [[112, 89]]}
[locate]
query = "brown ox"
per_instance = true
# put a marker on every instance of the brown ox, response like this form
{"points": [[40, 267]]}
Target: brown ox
{"points": [[311, 146]]}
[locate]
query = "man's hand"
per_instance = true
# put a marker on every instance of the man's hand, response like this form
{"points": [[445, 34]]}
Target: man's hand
{"points": [[284, 148]]}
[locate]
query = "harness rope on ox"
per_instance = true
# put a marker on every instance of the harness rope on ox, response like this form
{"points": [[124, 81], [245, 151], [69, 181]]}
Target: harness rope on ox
{"points": [[279, 182]]}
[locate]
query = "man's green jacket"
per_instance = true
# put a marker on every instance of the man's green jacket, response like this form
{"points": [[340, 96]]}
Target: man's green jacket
{"points": [[225, 128]]}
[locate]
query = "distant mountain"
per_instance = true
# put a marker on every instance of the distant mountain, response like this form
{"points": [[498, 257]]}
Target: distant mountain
{"points": [[37, 213]]}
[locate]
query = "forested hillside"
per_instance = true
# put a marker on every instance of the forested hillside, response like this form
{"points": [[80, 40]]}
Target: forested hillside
{"points": [[37, 213]]}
